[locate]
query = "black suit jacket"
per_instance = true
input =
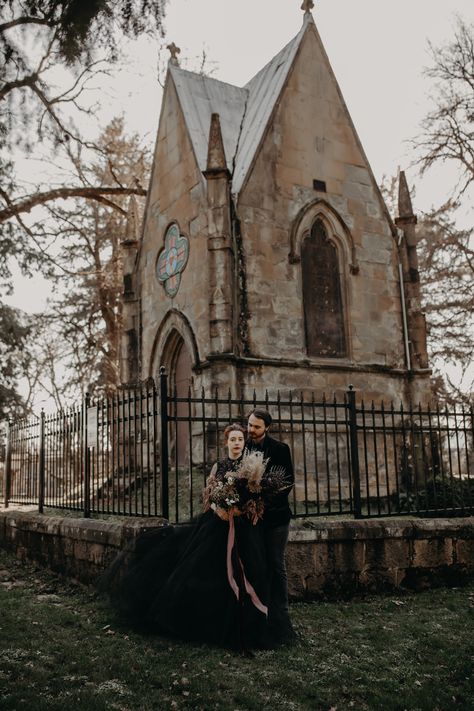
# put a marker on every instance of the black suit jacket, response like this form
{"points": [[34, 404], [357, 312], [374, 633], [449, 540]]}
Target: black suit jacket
{"points": [[277, 508]]}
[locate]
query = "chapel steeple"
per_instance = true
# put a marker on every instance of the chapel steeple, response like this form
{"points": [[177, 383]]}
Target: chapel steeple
{"points": [[406, 222], [405, 208], [216, 160], [219, 243]]}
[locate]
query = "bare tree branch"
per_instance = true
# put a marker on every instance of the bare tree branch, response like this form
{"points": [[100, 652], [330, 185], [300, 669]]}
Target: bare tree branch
{"points": [[25, 20], [448, 129], [92, 193]]}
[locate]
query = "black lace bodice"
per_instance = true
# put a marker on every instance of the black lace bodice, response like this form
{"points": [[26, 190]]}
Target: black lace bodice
{"points": [[226, 465]]}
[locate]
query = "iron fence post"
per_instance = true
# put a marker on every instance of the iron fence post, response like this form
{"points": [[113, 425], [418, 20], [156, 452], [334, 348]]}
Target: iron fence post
{"points": [[86, 462], [164, 464], [41, 464], [354, 445], [8, 468]]}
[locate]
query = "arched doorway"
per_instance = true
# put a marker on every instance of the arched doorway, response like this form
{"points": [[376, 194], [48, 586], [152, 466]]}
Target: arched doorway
{"points": [[182, 377], [182, 371], [177, 361]]}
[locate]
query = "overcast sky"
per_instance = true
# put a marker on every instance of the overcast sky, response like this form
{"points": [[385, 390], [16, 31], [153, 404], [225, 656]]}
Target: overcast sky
{"points": [[377, 48]]}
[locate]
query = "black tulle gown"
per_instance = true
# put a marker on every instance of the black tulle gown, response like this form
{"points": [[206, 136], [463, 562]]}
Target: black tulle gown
{"points": [[177, 581]]}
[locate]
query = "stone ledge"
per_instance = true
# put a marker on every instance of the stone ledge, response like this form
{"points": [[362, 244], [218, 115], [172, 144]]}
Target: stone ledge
{"points": [[82, 529], [324, 558], [78, 548], [343, 558], [364, 529]]}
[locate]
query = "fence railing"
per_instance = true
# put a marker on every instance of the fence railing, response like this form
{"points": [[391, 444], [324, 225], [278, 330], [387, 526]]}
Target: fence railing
{"points": [[147, 452]]}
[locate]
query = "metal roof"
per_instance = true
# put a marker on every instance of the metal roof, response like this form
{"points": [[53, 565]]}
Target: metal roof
{"points": [[202, 96], [244, 112], [264, 91]]}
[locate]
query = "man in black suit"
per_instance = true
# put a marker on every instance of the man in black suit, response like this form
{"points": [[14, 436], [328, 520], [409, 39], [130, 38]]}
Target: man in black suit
{"points": [[276, 520]]}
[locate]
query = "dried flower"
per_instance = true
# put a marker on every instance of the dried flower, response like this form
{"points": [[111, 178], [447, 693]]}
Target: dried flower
{"points": [[252, 468], [241, 490], [276, 480]]}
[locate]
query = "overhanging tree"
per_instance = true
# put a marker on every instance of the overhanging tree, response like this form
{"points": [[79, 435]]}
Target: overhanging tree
{"points": [[50, 51], [446, 250], [37, 38]]}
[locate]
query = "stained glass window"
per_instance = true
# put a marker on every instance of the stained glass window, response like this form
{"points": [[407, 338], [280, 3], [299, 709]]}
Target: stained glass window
{"points": [[172, 259]]}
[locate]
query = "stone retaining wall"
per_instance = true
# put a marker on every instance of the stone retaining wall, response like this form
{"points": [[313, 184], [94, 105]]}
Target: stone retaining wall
{"points": [[341, 558], [325, 558], [78, 548]]}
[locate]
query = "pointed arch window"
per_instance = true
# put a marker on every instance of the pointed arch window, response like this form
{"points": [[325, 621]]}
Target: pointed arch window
{"points": [[322, 295]]}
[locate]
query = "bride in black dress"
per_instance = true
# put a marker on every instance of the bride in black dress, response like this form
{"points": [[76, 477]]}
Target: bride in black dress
{"points": [[206, 581]]}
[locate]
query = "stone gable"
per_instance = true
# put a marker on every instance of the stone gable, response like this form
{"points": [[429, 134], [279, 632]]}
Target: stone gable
{"points": [[282, 154]]}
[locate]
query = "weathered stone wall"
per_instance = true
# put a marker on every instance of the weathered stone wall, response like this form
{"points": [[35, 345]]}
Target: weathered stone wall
{"points": [[335, 558], [310, 137], [78, 548], [177, 192], [371, 382], [345, 557]]}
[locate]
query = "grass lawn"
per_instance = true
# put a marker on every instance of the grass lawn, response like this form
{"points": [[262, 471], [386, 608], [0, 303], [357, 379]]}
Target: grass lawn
{"points": [[62, 648]]}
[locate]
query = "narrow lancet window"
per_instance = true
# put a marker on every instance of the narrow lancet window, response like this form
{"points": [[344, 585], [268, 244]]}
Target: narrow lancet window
{"points": [[322, 295]]}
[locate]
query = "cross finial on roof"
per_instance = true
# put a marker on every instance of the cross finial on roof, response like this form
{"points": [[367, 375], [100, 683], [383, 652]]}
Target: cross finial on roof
{"points": [[174, 51], [307, 6]]}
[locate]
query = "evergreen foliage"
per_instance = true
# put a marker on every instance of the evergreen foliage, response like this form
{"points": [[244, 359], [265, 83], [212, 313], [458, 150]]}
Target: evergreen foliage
{"points": [[14, 329]]}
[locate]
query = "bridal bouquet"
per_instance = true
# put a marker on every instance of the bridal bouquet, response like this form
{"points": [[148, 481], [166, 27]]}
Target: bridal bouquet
{"points": [[239, 492]]}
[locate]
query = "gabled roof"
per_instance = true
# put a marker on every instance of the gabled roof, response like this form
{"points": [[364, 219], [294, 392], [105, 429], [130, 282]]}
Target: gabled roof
{"points": [[263, 93], [244, 112], [200, 97]]}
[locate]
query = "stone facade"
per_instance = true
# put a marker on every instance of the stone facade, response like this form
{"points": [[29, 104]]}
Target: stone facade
{"points": [[244, 174]]}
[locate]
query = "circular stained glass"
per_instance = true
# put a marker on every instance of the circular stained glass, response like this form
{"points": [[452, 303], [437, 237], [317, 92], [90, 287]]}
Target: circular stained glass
{"points": [[172, 259]]}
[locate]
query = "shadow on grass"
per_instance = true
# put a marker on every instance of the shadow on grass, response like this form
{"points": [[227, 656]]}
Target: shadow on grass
{"points": [[63, 648]]}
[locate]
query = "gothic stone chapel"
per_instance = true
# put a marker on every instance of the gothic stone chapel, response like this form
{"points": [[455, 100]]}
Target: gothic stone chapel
{"points": [[268, 259]]}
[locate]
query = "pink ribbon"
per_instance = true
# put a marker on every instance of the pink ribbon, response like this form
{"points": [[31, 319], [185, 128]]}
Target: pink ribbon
{"points": [[230, 571]]}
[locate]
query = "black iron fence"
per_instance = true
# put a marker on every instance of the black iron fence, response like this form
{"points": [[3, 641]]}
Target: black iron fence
{"points": [[147, 452]]}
